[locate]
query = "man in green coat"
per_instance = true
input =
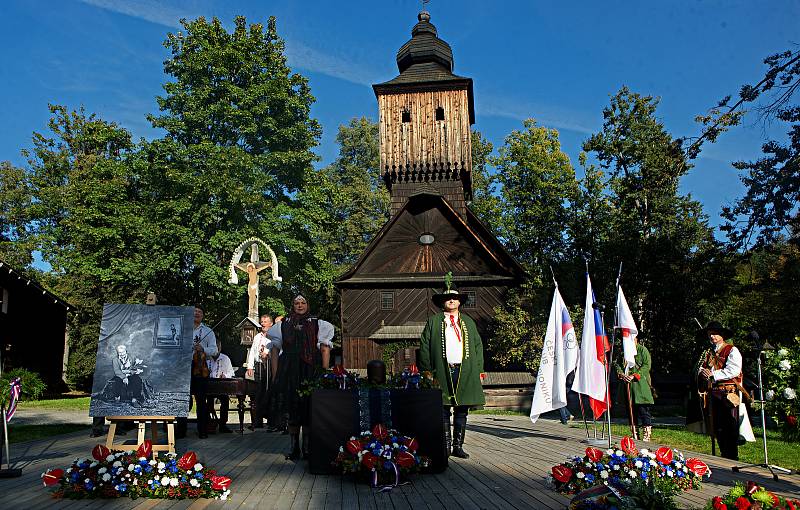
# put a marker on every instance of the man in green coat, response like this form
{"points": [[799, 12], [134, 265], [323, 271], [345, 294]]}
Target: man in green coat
{"points": [[451, 349], [637, 378]]}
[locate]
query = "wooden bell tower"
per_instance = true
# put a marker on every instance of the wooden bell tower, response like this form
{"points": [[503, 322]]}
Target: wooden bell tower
{"points": [[425, 118]]}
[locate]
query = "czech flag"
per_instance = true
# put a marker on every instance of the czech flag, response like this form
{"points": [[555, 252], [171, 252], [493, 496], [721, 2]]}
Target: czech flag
{"points": [[590, 376]]}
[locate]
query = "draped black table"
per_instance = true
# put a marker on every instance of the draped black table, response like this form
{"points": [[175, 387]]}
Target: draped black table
{"points": [[336, 415]]}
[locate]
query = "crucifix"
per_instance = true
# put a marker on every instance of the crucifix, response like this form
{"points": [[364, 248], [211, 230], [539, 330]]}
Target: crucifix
{"points": [[253, 268]]}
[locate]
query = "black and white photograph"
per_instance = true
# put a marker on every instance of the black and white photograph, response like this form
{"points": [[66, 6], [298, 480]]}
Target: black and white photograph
{"points": [[143, 366], [168, 334]]}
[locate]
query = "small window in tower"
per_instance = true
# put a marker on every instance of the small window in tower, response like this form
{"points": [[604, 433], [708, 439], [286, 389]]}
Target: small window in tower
{"points": [[440, 113], [387, 300], [406, 116]]}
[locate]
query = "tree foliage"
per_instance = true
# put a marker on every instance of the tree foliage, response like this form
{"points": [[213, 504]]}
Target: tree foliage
{"points": [[769, 209]]}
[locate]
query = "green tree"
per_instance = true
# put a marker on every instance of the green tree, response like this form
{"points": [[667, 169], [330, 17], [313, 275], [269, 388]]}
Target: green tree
{"points": [[15, 200], [769, 209], [485, 188], [86, 217], [537, 184], [660, 236], [350, 194], [236, 151]]}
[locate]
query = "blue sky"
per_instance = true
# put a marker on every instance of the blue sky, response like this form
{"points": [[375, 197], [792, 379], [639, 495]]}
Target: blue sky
{"points": [[555, 61]]}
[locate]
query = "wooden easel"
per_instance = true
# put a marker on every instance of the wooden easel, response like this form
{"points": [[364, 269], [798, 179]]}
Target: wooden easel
{"points": [[142, 421]]}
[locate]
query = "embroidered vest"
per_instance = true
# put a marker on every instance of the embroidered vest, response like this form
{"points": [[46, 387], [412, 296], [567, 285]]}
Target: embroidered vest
{"points": [[717, 361]]}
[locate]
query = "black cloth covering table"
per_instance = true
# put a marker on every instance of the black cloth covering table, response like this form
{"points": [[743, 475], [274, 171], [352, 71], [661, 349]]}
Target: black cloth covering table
{"points": [[336, 416]]}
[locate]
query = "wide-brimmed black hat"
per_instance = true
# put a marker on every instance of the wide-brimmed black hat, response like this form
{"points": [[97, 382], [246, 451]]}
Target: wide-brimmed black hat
{"points": [[718, 328], [440, 298]]}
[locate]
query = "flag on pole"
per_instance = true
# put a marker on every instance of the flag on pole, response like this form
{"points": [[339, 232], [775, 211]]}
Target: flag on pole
{"points": [[559, 358], [14, 391], [628, 328], [590, 377]]}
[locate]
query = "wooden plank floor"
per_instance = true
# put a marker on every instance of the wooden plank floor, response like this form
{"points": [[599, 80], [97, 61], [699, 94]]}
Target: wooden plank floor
{"points": [[510, 461]]}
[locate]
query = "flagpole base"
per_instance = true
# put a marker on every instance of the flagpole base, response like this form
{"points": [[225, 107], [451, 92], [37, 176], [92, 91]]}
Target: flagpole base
{"points": [[10, 473], [596, 442]]}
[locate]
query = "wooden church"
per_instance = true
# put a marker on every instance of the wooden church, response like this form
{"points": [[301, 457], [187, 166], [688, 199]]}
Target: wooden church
{"points": [[426, 162]]}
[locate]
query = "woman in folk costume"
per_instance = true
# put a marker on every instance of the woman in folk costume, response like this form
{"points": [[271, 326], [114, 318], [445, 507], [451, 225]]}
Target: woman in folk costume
{"points": [[301, 349], [451, 349], [637, 379]]}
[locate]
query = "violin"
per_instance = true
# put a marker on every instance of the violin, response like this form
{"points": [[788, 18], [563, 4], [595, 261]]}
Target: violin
{"points": [[199, 362]]}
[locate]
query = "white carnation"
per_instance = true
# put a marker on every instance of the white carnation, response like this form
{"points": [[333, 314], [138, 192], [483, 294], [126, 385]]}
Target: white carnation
{"points": [[130, 467], [152, 462], [783, 353], [580, 475], [106, 477], [194, 483], [174, 482], [770, 395], [161, 465], [632, 473], [789, 394], [165, 480], [603, 474], [616, 467], [116, 464], [110, 457], [100, 471], [645, 451], [93, 464], [198, 467], [678, 465], [638, 464], [619, 453], [785, 365]]}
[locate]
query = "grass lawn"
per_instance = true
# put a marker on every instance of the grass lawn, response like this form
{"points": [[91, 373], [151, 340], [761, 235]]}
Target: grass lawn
{"points": [[781, 453], [73, 404], [23, 433]]}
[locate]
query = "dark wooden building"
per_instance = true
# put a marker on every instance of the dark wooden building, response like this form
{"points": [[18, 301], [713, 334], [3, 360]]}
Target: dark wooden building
{"points": [[426, 161], [33, 328]]}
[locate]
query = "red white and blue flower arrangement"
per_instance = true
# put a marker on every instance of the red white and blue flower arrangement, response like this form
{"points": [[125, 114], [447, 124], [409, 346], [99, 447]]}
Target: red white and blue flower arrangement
{"points": [[616, 466], [137, 474], [384, 455]]}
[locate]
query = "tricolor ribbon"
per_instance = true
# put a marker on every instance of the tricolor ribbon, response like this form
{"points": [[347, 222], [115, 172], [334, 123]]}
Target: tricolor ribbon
{"points": [[14, 390], [387, 488]]}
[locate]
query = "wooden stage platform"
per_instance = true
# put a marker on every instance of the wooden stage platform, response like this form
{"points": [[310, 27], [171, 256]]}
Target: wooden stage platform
{"points": [[510, 461]]}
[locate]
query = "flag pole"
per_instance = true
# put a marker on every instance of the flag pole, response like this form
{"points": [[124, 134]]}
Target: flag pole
{"points": [[611, 355]]}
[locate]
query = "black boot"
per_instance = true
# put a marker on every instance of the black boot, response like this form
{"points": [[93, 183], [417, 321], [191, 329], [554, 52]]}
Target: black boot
{"points": [[448, 438], [295, 453], [458, 442]]}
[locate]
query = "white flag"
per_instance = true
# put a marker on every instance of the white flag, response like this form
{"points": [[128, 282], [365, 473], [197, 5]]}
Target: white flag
{"points": [[559, 358], [628, 328]]}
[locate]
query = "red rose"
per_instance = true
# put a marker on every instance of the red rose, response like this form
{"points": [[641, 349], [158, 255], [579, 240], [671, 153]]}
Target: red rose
{"points": [[187, 461], [369, 460], [742, 503], [145, 449], [353, 446], [698, 467], [220, 483], [52, 476], [628, 446], [380, 432], [562, 473], [594, 454], [664, 455], [405, 459], [791, 420], [100, 452], [412, 444]]}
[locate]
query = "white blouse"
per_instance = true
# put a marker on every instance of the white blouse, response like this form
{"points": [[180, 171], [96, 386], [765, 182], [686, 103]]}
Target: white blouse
{"points": [[324, 335]]}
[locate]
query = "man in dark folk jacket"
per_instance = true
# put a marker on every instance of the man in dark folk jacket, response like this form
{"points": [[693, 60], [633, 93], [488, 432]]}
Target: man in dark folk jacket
{"points": [[451, 349]]}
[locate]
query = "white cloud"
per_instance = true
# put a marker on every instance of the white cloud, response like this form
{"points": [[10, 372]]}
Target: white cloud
{"points": [[298, 54], [545, 115]]}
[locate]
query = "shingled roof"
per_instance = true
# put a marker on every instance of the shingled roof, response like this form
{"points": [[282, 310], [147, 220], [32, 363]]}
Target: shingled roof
{"points": [[426, 62]]}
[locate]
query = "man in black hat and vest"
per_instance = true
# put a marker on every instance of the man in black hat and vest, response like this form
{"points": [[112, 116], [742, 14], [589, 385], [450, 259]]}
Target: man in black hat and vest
{"points": [[719, 376], [451, 349]]}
